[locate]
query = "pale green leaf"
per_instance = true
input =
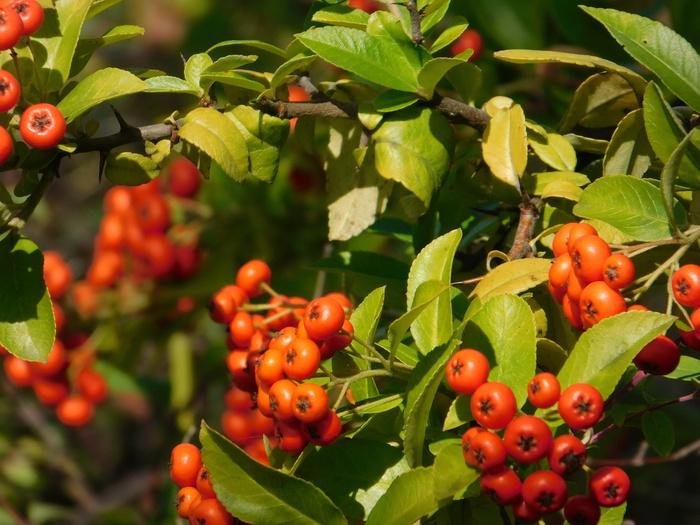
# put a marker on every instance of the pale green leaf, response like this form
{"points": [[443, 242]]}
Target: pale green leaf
{"points": [[298, 63], [433, 327], [103, 85], [629, 151], [512, 277], [504, 331], [407, 499], [195, 67], [504, 144], [452, 32], [536, 183], [168, 84], [554, 150], [433, 71], [587, 144], [605, 350], [376, 59], [256, 44], [658, 48], [633, 206], [219, 138], [341, 15], [130, 169], [451, 473]]}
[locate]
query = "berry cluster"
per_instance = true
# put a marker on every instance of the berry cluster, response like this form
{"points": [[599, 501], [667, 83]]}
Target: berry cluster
{"points": [[272, 358], [41, 125], [196, 499], [138, 239], [527, 440], [67, 381]]}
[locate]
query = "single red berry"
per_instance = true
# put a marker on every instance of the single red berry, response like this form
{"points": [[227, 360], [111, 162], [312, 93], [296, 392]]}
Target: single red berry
{"points": [[545, 491], [609, 486], [580, 406], [467, 370], [42, 126], [493, 405], [9, 91]]}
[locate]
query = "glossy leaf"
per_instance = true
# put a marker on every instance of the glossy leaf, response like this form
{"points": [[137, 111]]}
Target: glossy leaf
{"points": [[554, 150], [601, 101], [401, 150], [130, 169], [195, 67], [687, 370], [433, 327], [433, 71], [365, 320], [669, 175], [341, 15], [460, 413], [265, 136], [536, 183], [407, 499], [665, 132], [605, 350], [659, 432], [504, 331], [103, 85], [504, 145], [255, 44], [529, 56], [587, 144], [298, 63], [386, 26], [658, 48], [218, 137], [434, 14], [354, 473], [55, 43], [27, 327], [633, 206], [393, 100], [629, 151], [421, 390], [258, 494], [375, 59], [512, 277], [452, 32], [451, 473], [168, 84]]}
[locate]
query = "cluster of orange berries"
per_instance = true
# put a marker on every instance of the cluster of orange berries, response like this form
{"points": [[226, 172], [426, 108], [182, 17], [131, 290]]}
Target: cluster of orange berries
{"points": [[527, 440], [196, 499], [272, 358], [41, 125], [137, 237], [67, 381]]}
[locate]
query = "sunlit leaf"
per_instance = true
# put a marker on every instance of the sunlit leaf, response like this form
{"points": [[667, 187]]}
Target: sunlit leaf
{"points": [[629, 151]]}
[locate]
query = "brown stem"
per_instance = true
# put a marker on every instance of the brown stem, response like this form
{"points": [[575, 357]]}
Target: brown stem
{"points": [[529, 213], [153, 133], [639, 460], [416, 18]]}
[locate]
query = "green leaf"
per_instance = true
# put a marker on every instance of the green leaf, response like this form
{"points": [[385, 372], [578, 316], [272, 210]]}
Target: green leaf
{"points": [[512, 277], [365, 320], [536, 183], [378, 60], [504, 145], [168, 84], [259, 494], [356, 195], [393, 100], [658, 48], [27, 327], [504, 331], [528, 56], [587, 144], [451, 473], [604, 351], [386, 26], [466, 79], [354, 473], [407, 499], [629, 151], [364, 263], [87, 46], [433, 327], [233, 79], [229, 63], [659, 432], [130, 169], [687, 370], [421, 390], [601, 101], [256, 44], [452, 32], [460, 413], [402, 151], [195, 67], [55, 43], [103, 85], [633, 206], [669, 175], [665, 132], [299, 63], [613, 515], [341, 15], [554, 150], [218, 137], [433, 72], [265, 136], [434, 14]]}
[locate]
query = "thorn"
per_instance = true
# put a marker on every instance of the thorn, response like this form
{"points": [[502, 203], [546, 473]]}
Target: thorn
{"points": [[123, 126]]}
